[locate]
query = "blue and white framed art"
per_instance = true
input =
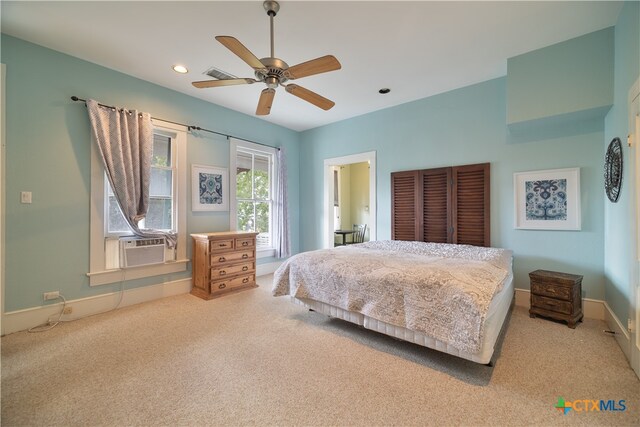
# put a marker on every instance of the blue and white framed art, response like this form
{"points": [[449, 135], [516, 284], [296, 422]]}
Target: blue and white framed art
{"points": [[209, 188], [547, 199]]}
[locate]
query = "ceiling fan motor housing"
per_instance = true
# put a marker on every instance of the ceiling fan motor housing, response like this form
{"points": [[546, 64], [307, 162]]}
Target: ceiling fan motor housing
{"points": [[273, 73]]}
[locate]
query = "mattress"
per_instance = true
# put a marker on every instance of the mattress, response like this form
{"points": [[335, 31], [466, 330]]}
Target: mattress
{"points": [[452, 298], [493, 324]]}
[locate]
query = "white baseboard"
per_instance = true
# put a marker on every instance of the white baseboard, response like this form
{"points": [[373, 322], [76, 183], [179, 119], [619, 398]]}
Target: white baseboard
{"points": [[622, 335], [592, 308], [21, 320], [268, 268]]}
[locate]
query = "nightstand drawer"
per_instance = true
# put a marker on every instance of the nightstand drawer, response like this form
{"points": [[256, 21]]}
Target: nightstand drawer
{"points": [[551, 304], [551, 290]]}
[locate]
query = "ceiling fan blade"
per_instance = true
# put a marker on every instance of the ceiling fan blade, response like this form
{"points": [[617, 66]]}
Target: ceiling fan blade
{"points": [[264, 104], [227, 82], [241, 51], [315, 66], [309, 96]]}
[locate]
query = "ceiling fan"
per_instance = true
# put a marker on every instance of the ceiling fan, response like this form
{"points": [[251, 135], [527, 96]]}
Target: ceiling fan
{"points": [[273, 71]]}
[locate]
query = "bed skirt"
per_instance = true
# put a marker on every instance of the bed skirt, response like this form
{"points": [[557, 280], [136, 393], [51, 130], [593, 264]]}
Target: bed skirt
{"points": [[496, 316]]}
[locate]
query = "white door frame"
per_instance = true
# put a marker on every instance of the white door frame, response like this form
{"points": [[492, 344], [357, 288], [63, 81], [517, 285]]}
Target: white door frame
{"points": [[3, 72], [370, 156], [634, 291]]}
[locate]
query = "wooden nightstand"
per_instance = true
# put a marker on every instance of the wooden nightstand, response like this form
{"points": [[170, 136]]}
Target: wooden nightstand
{"points": [[556, 295]]}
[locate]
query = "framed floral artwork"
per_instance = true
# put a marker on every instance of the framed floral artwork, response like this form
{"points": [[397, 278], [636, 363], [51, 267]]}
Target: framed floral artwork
{"points": [[547, 199], [209, 188]]}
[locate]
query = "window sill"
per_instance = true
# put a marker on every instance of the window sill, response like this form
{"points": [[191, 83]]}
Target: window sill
{"points": [[114, 276], [265, 253]]}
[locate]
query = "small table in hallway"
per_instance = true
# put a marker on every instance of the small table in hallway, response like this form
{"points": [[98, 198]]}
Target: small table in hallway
{"points": [[344, 234]]}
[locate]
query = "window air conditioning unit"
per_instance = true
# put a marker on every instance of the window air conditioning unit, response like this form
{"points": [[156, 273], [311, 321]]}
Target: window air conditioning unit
{"points": [[137, 251]]}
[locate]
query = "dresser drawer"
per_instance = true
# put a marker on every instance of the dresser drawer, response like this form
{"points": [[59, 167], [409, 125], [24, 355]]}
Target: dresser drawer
{"points": [[217, 259], [550, 290], [550, 304], [224, 271], [225, 285], [220, 245], [245, 243]]}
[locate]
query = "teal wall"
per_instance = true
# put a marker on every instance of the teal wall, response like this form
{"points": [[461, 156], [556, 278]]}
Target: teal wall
{"points": [[465, 126], [572, 80], [48, 153], [618, 219], [48, 147]]}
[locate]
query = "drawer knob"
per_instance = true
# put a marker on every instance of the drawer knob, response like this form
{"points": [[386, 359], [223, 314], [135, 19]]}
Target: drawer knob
{"points": [[222, 245], [245, 243], [222, 272], [245, 280], [222, 285], [222, 259], [245, 256], [245, 268]]}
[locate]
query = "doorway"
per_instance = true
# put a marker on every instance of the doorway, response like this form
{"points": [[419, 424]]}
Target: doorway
{"points": [[337, 171]]}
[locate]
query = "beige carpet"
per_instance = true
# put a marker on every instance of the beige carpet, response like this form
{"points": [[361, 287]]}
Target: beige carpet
{"points": [[251, 359]]}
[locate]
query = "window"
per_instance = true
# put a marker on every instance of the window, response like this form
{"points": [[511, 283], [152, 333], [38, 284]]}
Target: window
{"points": [[252, 190], [161, 212], [167, 209]]}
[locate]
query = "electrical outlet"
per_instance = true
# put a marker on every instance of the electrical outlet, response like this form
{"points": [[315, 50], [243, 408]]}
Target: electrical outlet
{"points": [[25, 197], [67, 310], [51, 295]]}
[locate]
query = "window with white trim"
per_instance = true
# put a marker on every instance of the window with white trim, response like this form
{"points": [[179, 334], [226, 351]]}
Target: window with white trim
{"points": [[252, 185], [161, 212], [167, 209]]}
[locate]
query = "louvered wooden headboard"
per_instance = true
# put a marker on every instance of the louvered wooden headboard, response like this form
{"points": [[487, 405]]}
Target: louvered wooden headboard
{"points": [[443, 205]]}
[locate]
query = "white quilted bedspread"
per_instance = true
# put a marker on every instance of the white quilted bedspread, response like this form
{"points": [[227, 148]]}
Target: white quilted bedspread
{"points": [[442, 290]]}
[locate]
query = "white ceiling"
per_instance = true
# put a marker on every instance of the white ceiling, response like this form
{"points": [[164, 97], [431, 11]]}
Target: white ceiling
{"points": [[415, 48]]}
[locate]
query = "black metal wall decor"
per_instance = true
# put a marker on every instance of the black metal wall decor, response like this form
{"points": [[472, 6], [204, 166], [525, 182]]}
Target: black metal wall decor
{"points": [[613, 170]]}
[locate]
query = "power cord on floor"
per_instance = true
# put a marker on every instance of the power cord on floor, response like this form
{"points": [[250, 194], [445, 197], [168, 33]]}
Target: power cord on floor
{"points": [[50, 325]]}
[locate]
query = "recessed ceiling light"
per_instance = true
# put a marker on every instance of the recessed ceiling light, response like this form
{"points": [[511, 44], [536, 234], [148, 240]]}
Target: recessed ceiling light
{"points": [[180, 69], [384, 90]]}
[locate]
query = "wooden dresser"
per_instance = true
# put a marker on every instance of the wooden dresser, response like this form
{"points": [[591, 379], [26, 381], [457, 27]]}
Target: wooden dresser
{"points": [[556, 295], [223, 263]]}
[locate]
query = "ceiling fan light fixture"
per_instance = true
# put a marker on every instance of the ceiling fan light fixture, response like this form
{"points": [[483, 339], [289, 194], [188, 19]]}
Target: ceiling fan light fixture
{"points": [[180, 69], [271, 82]]}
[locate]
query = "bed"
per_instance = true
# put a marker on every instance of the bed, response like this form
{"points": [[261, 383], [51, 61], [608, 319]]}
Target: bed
{"points": [[448, 297]]}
